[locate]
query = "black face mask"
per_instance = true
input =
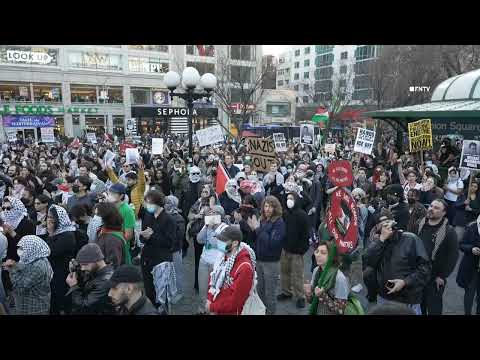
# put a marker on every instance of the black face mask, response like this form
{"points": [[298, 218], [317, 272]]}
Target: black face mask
{"points": [[75, 189]]}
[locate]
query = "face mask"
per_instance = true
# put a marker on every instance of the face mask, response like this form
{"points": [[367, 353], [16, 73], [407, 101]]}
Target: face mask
{"points": [[289, 171], [222, 246], [194, 178], [20, 253], [151, 209], [75, 189], [290, 203], [213, 219]]}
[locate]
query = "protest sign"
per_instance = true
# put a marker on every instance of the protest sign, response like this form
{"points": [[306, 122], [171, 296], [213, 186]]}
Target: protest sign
{"points": [[330, 148], [92, 138], [125, 146], [108, 157], [470, 158], [47, 134], [342, 220], [157, 146], [12, 135], [210, 135], [364, 141], [307, 134], [420, 135], [280, 142], [340, 173], [131, 156], [262, 152]]}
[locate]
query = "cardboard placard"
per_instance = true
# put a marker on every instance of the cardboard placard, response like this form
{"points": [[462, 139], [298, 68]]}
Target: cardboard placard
{"points": [[157, 146], [280, 142], [364, 141], [210, 135], [262, 152], [470, 158], [420, 135], [47, 134]]}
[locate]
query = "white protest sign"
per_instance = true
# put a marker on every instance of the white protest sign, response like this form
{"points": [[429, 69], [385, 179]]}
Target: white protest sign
{"points": [[12, 135], [108, 157], [210, 135], [92, 138], [47, 134], [470, 158], [280, 142], [307, 134], [131, 156], [364, 141], [330, 148], [157, 146]]}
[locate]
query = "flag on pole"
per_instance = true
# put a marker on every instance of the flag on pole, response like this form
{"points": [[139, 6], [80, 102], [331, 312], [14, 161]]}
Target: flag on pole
{"points": [[321, 116], [221, 179]]}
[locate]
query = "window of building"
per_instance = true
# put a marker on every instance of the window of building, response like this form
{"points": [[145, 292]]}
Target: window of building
{"points": [[296, 87], [306, 50], [361, 82], [306, 63], [241, 52], [281, 60], [242, 74], [287, 71], [201, 50], [110, 94], [306, 87], [202, 67], [280, 83], [297, 52], [344, 55], [324, 73], [147, 65], [365, 52], [296, 76], [237, 95], [342, 83], [297, 64], [305, 99], [160, 48], [343, 69], [361, 94], [306, 75], [363, 67], [278, 109], [140, 96], [286, 82], [83, 93], [280, 72], [15, 92], [324, 60], [323, 86], [95, 61], [118, 125], [76, 119], [322, 49], [47, 92], [96, 124]]}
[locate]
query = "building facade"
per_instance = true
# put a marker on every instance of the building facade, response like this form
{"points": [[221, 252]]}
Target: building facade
{"points": [[99, 88], [277, 107]]}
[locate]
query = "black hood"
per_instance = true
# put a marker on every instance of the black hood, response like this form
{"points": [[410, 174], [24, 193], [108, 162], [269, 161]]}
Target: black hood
{"points": [[296, 206]]}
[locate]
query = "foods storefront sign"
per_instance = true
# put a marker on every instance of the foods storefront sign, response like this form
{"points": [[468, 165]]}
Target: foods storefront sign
{"points": [[28, 121], [44, 110]]}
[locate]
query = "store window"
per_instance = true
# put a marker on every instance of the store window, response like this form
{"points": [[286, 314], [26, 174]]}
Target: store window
{"points": [[278, 109], [83, 93], [28, 55], [200, 50], [140, 96], [119, 125], [241, 52], [95, 124], [47, 92], [15, 92], [110, 94], [202, 67], [242, 74], [147, 65], [59, 129], [95, 61], [160, 48]]}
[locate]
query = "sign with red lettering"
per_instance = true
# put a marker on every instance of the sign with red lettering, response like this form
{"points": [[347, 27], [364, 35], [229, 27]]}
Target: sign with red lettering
{"points": [[342, 220], [126, 146], [340, 173]]}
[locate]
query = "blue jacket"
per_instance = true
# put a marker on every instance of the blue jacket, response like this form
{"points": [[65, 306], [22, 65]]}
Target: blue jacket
{"points": [[269, 239]]}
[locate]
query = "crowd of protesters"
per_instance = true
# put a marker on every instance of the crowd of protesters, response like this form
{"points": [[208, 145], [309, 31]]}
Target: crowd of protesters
{"points": [[84, 233]]}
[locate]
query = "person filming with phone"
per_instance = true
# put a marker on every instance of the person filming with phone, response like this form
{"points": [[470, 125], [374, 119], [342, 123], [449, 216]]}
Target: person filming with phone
{"points": [[401, 265]]}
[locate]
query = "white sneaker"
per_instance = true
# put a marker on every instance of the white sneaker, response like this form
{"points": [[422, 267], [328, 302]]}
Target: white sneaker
{"points": [[357, 288]]}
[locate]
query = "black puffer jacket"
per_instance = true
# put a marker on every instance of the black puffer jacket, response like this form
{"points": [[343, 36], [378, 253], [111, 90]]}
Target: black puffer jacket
{"points": [[297, 226], [142, 307], [401, 257]]}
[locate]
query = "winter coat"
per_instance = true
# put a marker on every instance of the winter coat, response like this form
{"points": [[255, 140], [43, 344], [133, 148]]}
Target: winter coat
{"points": [[228, 204], [26, 227], [113, 248], [230, 300], [179, 233], [401, 257], [189, 196], [297, 227], [142, 307], [269, 240], [417, 214], [179, 184], [401, 214], [469, 264], [232, 171]]}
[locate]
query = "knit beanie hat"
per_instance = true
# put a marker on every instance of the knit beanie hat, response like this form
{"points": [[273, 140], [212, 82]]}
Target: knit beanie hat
{"points": [[90, 253]]}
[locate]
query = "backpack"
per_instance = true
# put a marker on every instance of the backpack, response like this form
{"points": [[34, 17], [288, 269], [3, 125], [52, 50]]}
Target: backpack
{"points": [[253, 305]]}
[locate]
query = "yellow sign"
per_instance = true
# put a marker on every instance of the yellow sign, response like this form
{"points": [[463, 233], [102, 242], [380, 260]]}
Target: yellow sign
{"points": [[420, 135]]}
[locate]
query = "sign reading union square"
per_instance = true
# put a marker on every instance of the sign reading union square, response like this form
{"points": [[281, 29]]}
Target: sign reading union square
{"points": [[469, 128]]}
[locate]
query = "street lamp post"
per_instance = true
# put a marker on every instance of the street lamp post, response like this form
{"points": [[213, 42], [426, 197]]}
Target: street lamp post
{"points": [[196, 87]]}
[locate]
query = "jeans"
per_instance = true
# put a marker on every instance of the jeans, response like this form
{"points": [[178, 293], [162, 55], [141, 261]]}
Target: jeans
{"points": [[469, 296], [178, 265], [268, 277], [291, 274], [204, 270], [432, 303], [415, 307]]}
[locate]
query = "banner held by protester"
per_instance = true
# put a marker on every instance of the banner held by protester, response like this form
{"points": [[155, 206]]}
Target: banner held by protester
{"points": [[420, 135]]}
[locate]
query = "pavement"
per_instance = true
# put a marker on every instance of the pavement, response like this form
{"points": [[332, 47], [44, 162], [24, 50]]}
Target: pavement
{"points": [[188, 305]]}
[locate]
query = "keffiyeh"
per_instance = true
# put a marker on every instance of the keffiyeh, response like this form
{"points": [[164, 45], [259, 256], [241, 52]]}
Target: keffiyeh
{"points": [[64, 223], [232, 191], [33, 248], [15, 215]]}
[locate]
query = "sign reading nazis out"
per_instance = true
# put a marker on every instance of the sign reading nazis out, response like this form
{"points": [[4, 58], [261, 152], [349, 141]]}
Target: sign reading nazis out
{"points": [[262, 152], [420, 135]]}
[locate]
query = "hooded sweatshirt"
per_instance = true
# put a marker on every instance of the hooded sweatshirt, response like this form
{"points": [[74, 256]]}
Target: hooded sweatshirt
{"points": [[297, 227]]}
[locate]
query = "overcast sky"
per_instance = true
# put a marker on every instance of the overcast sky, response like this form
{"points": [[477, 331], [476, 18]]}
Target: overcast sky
{"points": [[274, 49]]}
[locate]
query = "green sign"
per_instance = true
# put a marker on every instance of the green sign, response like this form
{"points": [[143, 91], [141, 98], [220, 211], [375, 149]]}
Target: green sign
{"points": [[45, 110]]}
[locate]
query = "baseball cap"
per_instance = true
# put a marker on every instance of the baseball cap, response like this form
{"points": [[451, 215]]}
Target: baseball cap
{"points": [[118, 188], [125, 274], [231, 233]]}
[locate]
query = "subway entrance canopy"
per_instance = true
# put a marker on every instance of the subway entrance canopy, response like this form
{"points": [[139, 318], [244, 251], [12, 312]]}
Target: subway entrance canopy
{"points": [[454, 108]]}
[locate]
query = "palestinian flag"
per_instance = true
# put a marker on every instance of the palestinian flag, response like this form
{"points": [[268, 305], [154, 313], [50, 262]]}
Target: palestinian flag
{"points": [[321, 116], [221, 179], [75, 143]]}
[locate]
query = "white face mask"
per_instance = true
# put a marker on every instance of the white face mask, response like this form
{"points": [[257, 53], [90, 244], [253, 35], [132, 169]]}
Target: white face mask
{"points": [[20, 253], [213, 219], [290, 203]]}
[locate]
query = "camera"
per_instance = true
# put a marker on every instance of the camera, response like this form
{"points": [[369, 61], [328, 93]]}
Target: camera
{"points": [[74, 267]]}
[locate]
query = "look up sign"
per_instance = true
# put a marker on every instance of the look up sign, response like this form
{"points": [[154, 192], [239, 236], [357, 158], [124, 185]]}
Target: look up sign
{"points": [[262, 152]]}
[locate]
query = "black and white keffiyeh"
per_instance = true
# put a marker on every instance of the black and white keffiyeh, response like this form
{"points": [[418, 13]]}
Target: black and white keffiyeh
{"points": [[15, 215], [34, 248], [220, 276], [64, 223]]}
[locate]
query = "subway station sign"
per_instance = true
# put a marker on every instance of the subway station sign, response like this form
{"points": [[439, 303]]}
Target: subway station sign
{"points": [[45, 110]]}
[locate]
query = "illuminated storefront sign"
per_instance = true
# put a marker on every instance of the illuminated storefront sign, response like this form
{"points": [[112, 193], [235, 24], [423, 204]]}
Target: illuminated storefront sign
{"points": [[45, 110]]}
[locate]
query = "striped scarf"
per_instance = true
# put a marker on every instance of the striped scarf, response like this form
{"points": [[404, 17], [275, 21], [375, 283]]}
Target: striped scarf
{"points": [[438, 237]]}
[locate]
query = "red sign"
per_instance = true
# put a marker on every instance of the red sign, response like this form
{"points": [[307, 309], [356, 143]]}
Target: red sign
{"points": [[340, 173], [126, 146], [342, 220], [238, 107]]}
